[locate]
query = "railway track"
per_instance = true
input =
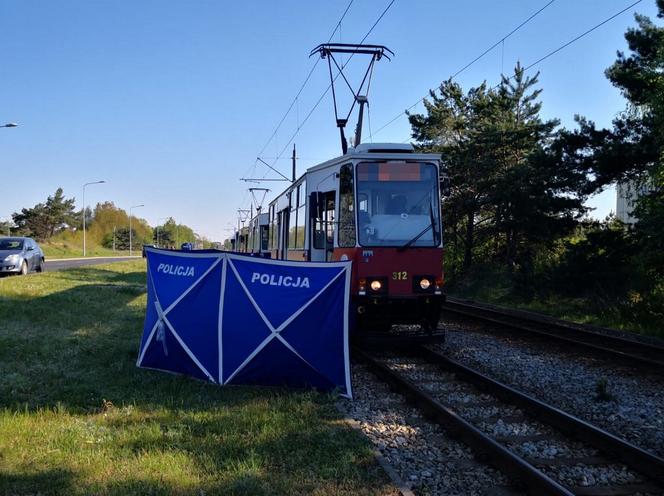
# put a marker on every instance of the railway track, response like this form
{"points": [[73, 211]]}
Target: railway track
{"points": [[646, 356], [483, 413]]}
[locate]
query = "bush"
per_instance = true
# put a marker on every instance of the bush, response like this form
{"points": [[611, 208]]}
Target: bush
{"points": [[598, 264]]}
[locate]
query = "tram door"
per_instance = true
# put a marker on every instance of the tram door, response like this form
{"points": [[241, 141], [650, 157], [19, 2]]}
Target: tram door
{"points": [[282, 229], [323, 226]]}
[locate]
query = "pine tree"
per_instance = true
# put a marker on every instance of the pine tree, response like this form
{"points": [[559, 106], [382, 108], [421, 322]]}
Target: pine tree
{"points": [[42, 220], [453, 127], [509, 192], [536, 200]]}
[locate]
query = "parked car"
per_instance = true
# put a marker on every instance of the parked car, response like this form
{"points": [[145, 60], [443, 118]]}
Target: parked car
{"points": [[187, 246], [20, 256]]}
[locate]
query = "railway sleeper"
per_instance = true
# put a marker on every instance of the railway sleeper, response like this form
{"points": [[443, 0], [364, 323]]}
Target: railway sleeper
{"points": [[638, 459], [630, 353], [494, 449]]}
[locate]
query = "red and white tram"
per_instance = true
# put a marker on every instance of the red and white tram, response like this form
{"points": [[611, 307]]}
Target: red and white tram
{"points": [[379, 206]]}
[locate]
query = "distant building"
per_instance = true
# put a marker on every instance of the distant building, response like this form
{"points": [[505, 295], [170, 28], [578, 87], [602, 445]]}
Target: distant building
{"points": [[627, 194]]}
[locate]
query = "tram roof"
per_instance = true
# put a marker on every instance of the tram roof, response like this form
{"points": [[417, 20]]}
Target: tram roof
{"points": [[373, 151], [365, 151]]}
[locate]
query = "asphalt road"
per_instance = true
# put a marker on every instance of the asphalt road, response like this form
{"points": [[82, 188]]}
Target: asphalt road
{"points": [[77, 262]]}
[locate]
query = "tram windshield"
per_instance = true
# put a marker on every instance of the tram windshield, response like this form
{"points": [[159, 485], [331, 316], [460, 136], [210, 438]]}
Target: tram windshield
{"points": [[398, 204]]}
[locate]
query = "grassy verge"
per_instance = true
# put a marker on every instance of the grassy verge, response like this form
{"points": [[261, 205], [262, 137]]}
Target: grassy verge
{"points": [[64, 249], [491, 286], [78, 417]]}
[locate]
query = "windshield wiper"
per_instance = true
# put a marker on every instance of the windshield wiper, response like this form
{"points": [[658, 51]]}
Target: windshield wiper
{"points": [[423, 232]]}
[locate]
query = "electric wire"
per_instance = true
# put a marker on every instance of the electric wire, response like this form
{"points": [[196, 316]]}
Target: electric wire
{"points": [[320, 99], [302, 86], [502, 40], [565, 45], [577, 38], [295, 101], [472, 62], [526, 68]]}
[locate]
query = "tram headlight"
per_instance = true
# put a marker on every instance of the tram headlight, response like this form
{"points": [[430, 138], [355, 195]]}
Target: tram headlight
{"points": [[376, 285], [424, 284]]}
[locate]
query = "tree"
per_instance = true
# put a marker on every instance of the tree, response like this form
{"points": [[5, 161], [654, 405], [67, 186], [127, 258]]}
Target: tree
{"points": [[121, 239], [452, 126], [42, 220], [107, 218], [173, 234], [5, 228], [536, 199], [509, 192], [634, 147], [640, 77]]}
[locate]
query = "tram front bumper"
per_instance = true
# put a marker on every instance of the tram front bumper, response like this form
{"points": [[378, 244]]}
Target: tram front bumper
{"points": [[387, 310]]}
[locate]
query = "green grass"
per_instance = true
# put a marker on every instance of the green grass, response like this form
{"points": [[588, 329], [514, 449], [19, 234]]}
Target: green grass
{"points": [[69, 249], [493, 286], [78, 417]]}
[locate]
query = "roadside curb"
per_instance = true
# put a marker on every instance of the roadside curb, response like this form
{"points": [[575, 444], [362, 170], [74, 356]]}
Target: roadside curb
{"points": [[88, 258]]}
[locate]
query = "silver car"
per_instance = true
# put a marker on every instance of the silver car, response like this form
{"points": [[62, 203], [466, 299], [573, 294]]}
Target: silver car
{"points": [[20, 256]]}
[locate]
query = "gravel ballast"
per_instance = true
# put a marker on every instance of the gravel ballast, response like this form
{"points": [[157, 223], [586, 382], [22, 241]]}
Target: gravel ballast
{"points": [[431, 463], [508, 425], [627, 403], [422, 454]]}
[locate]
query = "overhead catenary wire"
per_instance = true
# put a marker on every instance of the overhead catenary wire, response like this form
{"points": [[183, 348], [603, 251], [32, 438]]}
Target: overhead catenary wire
{"points": [[320, 99], [295, 101], [575, 39], [526, 68], [564, 45], [472, 62]]}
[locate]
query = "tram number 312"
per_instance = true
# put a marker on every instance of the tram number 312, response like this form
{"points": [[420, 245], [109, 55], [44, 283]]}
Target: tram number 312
{"points": [[400, 276]]}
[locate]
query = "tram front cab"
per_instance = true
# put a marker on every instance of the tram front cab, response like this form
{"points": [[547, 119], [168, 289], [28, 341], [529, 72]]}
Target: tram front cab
{"points": [[390, 227]]}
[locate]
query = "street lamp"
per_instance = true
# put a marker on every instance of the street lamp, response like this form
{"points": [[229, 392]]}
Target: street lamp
{"points": [[86, 184], [130, 236], [10, 124]]}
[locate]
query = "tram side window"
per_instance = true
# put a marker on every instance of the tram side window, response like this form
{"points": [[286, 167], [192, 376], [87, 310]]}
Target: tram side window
{"points": [[282, 231], [272, 224], [264, 238], [324, 226], [292, 221], [254, 237], [346, 207], [301, 212], [297, 220]]}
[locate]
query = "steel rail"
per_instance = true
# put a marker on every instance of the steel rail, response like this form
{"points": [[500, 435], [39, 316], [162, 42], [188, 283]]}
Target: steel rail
{"points": [[523, 472], [484, 446], [644, 355], [637, 458]]}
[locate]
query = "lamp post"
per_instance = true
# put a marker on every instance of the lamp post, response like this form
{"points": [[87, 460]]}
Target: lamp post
{"points": [[87, 184], [130, 235]]}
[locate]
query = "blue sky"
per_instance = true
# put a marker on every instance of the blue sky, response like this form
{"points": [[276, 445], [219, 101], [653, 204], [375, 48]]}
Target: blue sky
{"points": [[171, 102]]}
